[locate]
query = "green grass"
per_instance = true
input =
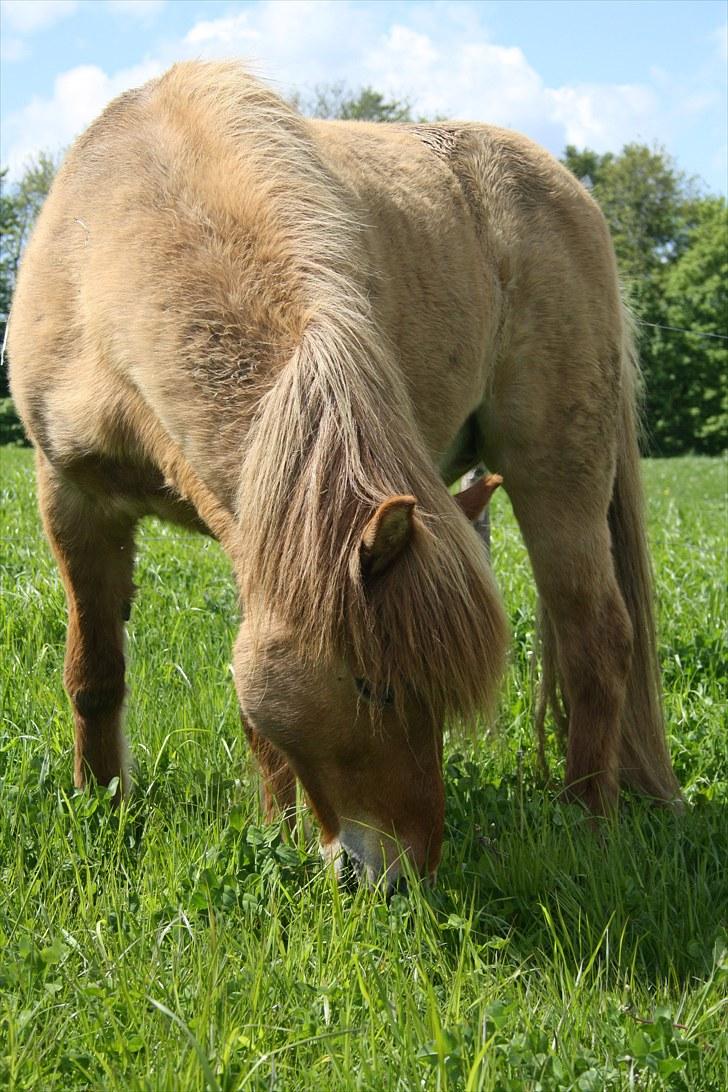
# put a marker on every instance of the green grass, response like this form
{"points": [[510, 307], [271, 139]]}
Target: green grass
{"points": [[181, 944]]}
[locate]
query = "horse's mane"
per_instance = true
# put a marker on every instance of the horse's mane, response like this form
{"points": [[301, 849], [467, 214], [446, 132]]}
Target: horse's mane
{"points": [[335, 435]]}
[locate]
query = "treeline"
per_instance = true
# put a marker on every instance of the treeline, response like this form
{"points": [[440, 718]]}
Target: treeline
{"points": [[672, 247]]}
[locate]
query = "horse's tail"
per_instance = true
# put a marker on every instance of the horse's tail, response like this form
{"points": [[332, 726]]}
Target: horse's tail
{"points": [[644, 762]]}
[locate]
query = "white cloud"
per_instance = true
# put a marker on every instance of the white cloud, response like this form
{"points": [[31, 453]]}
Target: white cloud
{"points": [[143, 10], [295, 43], [78, 96], [460, 76], [457, 76], [230, 32], [603, 116], [27, 17]]}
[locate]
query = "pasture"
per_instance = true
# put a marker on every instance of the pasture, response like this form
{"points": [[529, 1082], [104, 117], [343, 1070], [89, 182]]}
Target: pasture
{"points": [[179, 943]]}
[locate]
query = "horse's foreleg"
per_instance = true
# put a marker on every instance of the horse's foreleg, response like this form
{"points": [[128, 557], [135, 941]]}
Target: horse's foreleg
{"points": [[94, 546], [278, 780]]}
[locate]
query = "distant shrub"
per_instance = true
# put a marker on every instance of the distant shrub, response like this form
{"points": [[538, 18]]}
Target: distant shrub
{"points": [[11, 430]]}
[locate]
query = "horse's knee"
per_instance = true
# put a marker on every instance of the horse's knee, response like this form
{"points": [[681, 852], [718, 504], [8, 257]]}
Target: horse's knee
{"points": [[594, 637], [97, 701], [95, 686]]}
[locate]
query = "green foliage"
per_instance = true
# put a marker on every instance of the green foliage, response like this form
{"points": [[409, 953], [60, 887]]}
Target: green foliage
{"points": [[694, 375], [8, 229], [672, 251], [338, 101], [27, 197], [11, 430], [648, 204], [19, 207], [179, 943]]}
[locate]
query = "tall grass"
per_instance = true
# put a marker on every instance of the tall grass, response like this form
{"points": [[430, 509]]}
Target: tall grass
{"points": [[179, 943]]}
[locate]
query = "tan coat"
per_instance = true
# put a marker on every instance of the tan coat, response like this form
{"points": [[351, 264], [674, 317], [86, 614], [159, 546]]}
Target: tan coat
{"points": [[274, 329]]}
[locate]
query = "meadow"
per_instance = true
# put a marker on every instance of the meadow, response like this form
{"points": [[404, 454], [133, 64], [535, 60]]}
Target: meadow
{"points": [[179, 943]]}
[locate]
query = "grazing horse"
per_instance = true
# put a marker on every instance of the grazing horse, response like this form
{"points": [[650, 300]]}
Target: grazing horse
{"points": [[293, 335]]}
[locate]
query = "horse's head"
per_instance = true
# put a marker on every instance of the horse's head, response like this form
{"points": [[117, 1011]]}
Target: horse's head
{"points": [[370, 760], [372, 780]]}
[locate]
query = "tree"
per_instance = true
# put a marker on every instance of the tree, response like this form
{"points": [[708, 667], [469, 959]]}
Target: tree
{"points": [[8, 228], [27, 197], [337, 101], [19, 208], [586, 164], [654, 213], [695, 372], [649, 204]]}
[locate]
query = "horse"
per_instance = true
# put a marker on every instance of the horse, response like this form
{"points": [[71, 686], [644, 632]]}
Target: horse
{"points": [[294, 335]]}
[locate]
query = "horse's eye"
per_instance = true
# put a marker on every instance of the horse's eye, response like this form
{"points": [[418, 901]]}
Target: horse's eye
{"points": [[385, 697]]}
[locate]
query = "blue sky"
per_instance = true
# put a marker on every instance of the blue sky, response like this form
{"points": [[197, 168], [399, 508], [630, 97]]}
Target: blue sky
{"points": [[589, 72]]}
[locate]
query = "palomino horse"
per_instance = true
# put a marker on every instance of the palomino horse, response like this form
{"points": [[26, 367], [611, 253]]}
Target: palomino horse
{"points": [[292, 334]]}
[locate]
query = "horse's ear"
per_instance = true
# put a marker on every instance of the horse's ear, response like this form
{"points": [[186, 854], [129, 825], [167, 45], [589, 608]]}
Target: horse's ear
{"points": [[387, 534], [475, 498]]}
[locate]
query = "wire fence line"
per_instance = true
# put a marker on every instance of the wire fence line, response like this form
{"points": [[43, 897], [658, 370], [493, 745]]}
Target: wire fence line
{"points": [[682, 330]]}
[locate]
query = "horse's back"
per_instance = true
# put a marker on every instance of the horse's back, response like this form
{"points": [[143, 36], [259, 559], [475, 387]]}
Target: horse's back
{"points": [[492, 270], [145, 284]]}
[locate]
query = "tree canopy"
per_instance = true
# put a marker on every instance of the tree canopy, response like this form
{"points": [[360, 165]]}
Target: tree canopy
{"points": [[692, 378], [338, 101], [19, 208], [672, 249]]}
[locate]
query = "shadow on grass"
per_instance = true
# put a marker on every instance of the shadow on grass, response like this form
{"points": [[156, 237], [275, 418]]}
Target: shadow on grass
{"points": [[650, 891]]}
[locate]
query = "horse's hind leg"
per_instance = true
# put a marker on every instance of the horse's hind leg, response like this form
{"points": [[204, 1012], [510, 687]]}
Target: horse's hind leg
{"points": [[94, 545], [564, 524]]}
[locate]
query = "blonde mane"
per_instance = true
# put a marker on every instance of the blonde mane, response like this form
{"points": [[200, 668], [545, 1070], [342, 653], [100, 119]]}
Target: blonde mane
{"points": [[335, 435]]}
